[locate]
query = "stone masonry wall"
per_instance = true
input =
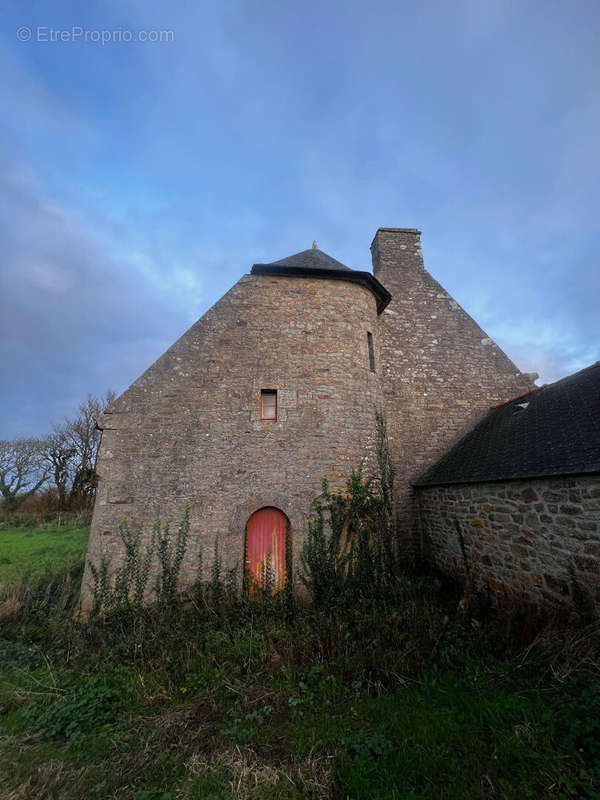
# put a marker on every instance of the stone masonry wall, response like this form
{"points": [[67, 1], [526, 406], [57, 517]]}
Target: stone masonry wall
{"points": [[519, 536], [439, 370], [189, 429]]}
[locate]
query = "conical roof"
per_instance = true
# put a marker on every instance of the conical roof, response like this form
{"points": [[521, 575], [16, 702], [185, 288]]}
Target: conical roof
{"points": [[311, 259], [314, 263]]}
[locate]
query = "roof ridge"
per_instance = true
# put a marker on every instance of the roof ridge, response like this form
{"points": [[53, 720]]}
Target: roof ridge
{"points": [[519, 396], [544, 385]]}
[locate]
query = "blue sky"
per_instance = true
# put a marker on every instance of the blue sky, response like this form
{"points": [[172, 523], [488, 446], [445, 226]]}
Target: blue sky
{"points": [[140, 180]]}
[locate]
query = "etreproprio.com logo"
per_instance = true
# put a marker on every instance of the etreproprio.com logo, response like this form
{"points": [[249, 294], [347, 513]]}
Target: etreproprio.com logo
{"points": [[77, 33]]}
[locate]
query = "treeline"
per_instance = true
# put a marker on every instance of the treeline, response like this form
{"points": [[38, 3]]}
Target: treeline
{"points": [[56, 472]]}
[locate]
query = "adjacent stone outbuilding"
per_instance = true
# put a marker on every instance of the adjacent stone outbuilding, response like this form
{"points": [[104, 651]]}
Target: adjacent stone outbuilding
{"points": [[515, 504]]}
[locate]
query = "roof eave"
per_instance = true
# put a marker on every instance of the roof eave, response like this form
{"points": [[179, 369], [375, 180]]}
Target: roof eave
{"points": [[381, 294], [418, 484]]}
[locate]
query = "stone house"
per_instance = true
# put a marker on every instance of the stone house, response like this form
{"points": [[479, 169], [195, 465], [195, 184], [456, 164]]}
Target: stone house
{"points": [[277, 385], [515, 504]]}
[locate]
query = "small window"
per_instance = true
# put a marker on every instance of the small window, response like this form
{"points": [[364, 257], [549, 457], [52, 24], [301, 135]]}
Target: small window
{"points": [[268, 404], [371, 352]]}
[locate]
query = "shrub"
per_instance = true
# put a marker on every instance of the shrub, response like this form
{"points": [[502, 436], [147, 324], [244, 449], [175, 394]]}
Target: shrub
{"points": [[351, 551]]}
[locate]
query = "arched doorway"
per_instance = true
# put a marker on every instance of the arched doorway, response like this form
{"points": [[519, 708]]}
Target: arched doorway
{"points": [[266, 534]]}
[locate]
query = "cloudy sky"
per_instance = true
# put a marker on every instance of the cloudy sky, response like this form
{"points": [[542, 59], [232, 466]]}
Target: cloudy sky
{"points": [[140, 180]]}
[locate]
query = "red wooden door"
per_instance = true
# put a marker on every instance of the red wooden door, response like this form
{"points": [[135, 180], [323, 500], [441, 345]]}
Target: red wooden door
{"points": [[265, 545]]}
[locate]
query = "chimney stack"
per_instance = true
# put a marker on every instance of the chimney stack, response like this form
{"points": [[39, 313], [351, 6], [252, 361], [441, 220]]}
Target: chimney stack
{"points": [[397, 256]]}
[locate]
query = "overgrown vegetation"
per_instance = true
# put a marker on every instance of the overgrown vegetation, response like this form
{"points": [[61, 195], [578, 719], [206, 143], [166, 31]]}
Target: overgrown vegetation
{"points": [[379, 687], [351, 554]]}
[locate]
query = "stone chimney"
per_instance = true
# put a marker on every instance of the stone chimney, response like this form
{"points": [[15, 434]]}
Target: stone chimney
{"points": [[397, 257]]}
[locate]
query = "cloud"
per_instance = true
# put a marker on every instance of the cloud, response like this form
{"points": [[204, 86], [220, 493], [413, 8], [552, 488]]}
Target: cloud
{"points": [[74, 318], [140, 182]]}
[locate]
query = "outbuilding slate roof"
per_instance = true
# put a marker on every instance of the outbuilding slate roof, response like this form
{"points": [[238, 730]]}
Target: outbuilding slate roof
{"points": [[315, 263], [551, 430]]}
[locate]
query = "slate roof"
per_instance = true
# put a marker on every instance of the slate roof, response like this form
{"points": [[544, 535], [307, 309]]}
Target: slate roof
{"points": [[315, 263], [552, 430], [310, 259]]}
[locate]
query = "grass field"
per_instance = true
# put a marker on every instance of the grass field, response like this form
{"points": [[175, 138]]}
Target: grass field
{"points": [[30, 551], [217, 698]]}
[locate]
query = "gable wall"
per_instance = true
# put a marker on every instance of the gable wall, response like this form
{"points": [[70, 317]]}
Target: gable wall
{"points": [[439, 369]]}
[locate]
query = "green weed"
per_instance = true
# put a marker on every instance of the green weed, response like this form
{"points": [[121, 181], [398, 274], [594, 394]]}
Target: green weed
{"points": [[82, 707]]}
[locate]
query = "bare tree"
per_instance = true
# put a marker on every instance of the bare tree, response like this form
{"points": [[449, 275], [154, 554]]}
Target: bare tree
{"points": [[23, 470], [76, 449], [66, 458], [59, 458]]}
